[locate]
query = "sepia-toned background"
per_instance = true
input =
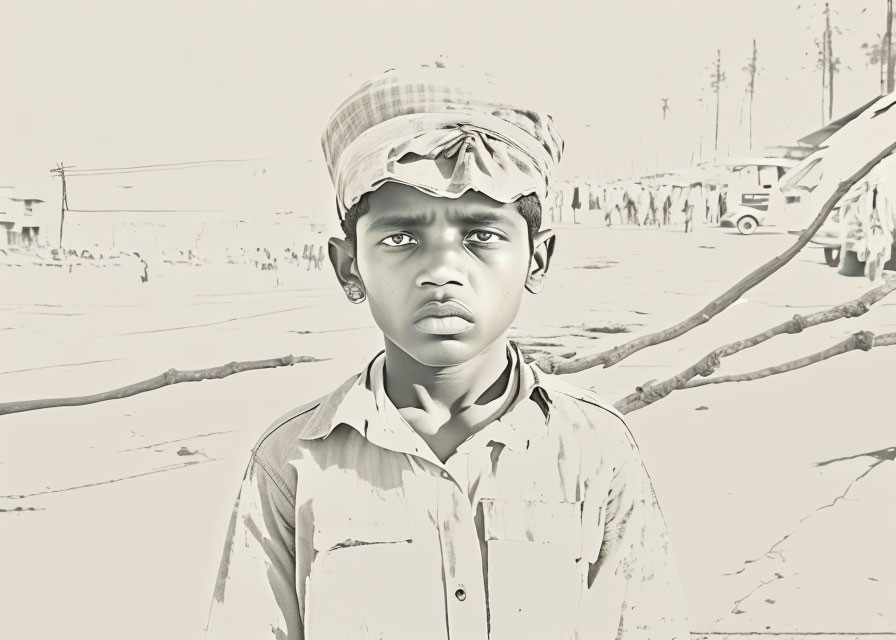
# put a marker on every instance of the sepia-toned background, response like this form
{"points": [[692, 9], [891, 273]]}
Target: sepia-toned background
{"points": [[188, 133]]}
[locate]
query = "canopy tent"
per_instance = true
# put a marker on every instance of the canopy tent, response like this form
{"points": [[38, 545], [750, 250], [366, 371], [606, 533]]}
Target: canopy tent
{"points": [[818, 137], [845, 152]]}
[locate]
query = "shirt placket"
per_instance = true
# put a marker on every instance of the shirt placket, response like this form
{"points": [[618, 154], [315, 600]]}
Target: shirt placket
{"points": [[465, 600], [464, 584]]}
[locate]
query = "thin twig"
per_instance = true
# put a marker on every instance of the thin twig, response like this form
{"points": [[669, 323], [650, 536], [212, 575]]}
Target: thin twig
{"points": [[706, 366], [612, 356], [864, 340], [172, 376]]}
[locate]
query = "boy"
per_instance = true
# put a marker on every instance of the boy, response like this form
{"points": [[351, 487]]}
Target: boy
{"points": [[449, 490]]}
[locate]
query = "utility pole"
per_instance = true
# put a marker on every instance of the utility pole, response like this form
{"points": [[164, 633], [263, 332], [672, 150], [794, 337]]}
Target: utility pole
{"points": [[665, 141], [717, 79], [824, 74], [751, 69], [831, 63], [824, 62], [703, 111], [60, 171], [888, 47]]}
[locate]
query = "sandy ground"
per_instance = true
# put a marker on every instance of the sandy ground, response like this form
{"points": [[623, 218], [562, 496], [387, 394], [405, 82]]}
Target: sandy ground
{"points": [[779, 493]]}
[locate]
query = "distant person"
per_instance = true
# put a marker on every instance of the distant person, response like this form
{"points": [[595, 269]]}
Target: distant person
{"points": [[144, 277], [723, 205], [631, 210], [576, 203], [667, 209], [651, 206], [688, 216]]}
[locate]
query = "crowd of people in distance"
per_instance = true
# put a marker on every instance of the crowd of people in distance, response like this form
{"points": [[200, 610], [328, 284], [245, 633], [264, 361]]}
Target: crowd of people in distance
{"points": [[264, 259], [312, 257], [654, 204]]}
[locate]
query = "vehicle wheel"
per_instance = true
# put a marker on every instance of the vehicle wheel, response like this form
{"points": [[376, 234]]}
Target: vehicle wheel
{"points": [[891, 263], [747, 225], [850, 265], [832, 256]]}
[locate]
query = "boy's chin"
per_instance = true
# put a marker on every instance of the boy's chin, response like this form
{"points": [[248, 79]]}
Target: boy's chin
{"points": [[443, 352]]}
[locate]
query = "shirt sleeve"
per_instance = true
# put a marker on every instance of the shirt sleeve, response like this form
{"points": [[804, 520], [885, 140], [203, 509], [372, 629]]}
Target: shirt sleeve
{"points": [[255, 594], [634, 591]]}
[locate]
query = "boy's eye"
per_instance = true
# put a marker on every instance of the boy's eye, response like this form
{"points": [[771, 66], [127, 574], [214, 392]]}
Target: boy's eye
{"points": [[484, 237], [399, 240]]}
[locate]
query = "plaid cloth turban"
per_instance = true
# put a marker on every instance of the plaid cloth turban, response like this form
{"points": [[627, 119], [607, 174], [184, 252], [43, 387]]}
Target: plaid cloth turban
{"points": [[441, 133]]}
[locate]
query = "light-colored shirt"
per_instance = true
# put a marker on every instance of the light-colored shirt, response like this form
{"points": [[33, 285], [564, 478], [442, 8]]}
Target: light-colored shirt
{"points": [[543, 524]]}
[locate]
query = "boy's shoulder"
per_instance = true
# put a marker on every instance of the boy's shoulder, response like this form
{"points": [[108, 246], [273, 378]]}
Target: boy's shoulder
{"points": [[604, 419], [282, 440], [557, 384]]}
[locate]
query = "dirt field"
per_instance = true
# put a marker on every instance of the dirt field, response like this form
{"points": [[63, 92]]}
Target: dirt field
{"points": [[779, 493]]}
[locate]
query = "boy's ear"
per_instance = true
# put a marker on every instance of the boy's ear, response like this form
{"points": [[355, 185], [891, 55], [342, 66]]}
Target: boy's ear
{"points": [[542, 250], [342, 257]]}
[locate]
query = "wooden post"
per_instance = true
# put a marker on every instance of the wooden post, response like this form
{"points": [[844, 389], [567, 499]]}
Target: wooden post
{"points": [[888, 47], [717, 84], [60, 171], [751, 88], [831, 68]]}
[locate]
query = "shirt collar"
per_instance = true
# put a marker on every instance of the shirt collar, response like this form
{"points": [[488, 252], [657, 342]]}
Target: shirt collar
{"points": [[355, 403]]}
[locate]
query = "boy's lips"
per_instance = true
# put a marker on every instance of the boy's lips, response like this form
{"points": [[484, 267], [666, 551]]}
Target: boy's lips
{"points": [[437, 309], [443, 318]]}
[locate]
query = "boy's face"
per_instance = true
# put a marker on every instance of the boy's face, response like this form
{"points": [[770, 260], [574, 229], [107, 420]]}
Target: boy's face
{"points": [[444, 277]]}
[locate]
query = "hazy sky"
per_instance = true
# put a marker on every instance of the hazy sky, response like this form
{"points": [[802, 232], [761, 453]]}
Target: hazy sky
{"points": [[111, 83]]}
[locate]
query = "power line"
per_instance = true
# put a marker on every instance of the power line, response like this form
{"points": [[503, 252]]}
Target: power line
{"points": [[173, 164], [176, 166], [155, 210], [113, 173]]}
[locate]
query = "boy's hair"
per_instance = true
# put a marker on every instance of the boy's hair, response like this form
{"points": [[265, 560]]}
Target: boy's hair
{"points": [[529, 207]]}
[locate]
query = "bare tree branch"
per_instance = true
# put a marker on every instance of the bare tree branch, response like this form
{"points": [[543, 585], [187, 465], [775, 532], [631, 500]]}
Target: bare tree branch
{"points": [[172, 376], [616, 354], [562, 364], [650, 393], [863, 340]]}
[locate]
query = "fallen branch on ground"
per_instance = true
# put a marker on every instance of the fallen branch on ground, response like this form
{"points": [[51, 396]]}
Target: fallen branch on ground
{"points": [[172, 376], [567, 363], [616, 354], [864, 340], [647, 394]]}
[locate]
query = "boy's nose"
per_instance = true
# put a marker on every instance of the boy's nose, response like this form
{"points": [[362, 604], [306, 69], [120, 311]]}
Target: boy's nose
{"points": [[441, 266]]}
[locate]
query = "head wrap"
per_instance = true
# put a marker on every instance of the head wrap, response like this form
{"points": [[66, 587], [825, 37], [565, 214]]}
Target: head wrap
{"points": [[441, 132]]}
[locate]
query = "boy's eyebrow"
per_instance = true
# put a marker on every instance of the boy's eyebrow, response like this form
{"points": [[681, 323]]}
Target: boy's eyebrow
{"points": [[412, 221]]}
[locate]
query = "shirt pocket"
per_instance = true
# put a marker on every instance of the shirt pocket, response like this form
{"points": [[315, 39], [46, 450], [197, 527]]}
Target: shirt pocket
{"points": [[535, 570], [370, 579]]}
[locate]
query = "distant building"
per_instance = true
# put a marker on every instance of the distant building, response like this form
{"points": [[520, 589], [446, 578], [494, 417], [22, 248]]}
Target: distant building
{"points": [[19, 218]]}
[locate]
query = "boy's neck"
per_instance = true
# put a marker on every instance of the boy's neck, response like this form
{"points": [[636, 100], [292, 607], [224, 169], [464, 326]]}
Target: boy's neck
{"points": [[464, 395]]}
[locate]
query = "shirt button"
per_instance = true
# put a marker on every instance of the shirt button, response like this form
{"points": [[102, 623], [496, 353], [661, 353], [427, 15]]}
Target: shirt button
{"points": [[445, 475], [460, 594]]}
